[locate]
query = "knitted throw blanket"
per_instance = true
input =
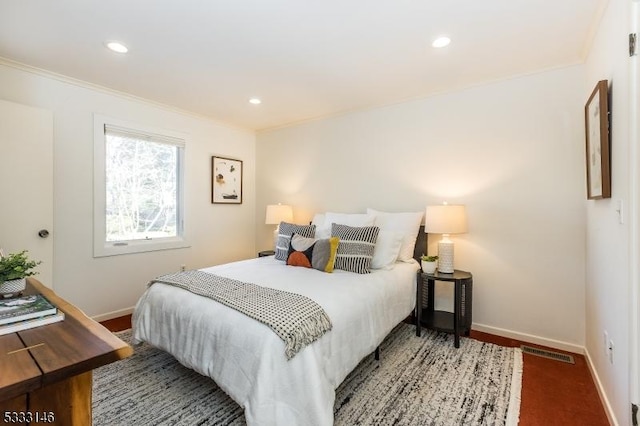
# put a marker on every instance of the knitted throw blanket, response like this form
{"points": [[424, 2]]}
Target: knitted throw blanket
{"points": [[296, 319]]}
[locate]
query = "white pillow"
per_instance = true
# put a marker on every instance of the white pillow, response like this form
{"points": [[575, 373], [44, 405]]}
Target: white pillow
{"points": [[349, 219], [323, 221], [323, 230], [406, 223], [318, 219], [386, 251]]}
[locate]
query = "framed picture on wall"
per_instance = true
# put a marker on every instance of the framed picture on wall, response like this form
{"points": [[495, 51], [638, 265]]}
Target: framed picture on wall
{"points": [[226, 180], [596, 113]]}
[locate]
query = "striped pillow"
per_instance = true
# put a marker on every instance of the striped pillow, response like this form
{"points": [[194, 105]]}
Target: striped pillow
{"points": [[355, 250], [285, 231]]}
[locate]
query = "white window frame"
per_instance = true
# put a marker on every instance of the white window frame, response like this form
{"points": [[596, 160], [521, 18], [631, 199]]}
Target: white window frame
{"points": [[101, 247]]}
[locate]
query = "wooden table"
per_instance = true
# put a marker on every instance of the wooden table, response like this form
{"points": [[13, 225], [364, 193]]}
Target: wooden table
{"points": [[46, 372]]}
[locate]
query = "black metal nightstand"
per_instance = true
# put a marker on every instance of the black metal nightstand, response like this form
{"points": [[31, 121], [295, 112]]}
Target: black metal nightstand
{"points": [[266, 253], [456, 322]]}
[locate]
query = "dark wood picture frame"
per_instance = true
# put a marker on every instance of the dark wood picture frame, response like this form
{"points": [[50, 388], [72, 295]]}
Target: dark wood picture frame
{"points": [[596, 113], [226, 180]]}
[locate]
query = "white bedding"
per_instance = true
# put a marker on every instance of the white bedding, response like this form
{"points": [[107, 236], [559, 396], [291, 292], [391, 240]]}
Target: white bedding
{"points": [[246, 358]]}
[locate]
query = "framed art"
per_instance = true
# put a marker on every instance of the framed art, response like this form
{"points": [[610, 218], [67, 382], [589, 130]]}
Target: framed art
{"points": [[596, 113], [226, 181]]}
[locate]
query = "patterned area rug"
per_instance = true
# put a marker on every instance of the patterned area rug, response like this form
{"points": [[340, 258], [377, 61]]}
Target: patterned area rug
{"points": [[418, 381]]}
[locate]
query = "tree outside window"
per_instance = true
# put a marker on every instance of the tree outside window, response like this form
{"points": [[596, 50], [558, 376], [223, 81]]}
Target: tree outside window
{"points": [[141, 189]]}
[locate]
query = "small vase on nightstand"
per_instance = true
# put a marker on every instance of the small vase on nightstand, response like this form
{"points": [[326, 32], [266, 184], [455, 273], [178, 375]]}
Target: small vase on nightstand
{"points": [[429, 264]]}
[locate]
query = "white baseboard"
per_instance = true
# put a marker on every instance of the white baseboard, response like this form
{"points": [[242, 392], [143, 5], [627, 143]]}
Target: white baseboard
{"points": [[114, 314], [530, 338], [603, 396]]}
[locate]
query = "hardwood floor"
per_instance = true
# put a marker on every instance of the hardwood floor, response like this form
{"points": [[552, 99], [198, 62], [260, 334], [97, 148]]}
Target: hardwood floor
{"points": [[553, 392], [118, 324]]}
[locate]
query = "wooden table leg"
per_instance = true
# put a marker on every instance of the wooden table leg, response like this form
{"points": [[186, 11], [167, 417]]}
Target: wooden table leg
{"points": [[69, 400], [15, 405]]}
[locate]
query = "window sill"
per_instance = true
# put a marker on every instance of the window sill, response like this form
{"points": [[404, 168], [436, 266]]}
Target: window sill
{"points": [[141, 246]]}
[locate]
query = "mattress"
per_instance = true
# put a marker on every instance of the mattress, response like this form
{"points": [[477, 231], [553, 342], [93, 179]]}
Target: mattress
{"points": [[246, 358]]}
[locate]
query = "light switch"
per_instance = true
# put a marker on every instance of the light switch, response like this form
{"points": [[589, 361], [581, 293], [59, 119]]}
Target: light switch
{"points": [[620, 210]]}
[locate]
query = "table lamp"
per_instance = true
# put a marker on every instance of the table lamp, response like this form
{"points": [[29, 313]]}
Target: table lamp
{"points": [[445, 219], [277, 213]]}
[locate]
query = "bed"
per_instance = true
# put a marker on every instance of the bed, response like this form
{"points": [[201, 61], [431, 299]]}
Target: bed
{"points": [[246, 358]]}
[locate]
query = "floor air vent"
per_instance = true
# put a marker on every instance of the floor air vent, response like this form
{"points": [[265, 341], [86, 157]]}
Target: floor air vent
{"points": [[547, 354]]}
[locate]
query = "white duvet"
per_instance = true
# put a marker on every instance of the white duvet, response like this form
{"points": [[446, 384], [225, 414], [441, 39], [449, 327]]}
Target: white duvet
{"points": [[246, 358]]}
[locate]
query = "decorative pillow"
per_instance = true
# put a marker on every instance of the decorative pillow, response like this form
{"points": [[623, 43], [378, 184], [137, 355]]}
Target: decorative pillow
{"points": [[312, 253], [387, 248], [356, 247], [408, 224], [285, 230]]}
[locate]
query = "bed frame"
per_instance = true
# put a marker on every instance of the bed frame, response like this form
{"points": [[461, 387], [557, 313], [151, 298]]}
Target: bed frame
{"points": [[421, 244], [419, 249]]}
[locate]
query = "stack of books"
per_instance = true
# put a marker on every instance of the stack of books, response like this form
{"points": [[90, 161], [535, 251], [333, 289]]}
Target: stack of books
{"points": [[22, 313]]}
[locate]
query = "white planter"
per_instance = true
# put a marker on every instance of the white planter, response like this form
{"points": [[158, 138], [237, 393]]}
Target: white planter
{"points": [[11, 287], [428, 267]]}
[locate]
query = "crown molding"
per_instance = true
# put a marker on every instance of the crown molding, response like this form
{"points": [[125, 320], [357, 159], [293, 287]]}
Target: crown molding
{"points": [[123, 95]]}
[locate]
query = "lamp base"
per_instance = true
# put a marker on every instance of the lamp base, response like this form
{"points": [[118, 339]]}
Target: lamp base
{"points": [[445, 256], [275, 237]]}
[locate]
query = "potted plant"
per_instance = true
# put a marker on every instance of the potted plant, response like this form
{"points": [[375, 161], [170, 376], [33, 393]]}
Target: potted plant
{"points": [[14, 269], [428, 263]]}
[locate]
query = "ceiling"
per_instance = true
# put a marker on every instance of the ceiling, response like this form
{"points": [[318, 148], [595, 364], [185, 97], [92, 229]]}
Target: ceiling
{"points": [[305, 59]]}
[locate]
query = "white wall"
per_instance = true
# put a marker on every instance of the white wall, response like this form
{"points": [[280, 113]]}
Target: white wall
{"points": [[607, 278], [217, 233], [512, 151]]}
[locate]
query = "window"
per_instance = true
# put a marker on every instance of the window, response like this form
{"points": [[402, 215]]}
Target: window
{"points": [[138, 198]]}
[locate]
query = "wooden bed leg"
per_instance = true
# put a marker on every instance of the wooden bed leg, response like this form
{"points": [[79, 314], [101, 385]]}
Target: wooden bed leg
{"points": [[376, 354]]}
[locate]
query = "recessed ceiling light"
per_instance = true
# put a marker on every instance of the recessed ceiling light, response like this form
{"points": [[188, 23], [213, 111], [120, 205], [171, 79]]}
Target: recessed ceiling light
{"points": [[255, 101], [117, 47], [441, 42]]}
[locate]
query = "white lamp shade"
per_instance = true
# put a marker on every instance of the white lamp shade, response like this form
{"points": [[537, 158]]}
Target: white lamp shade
{"points": [[277, 213], [446, 219]]}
